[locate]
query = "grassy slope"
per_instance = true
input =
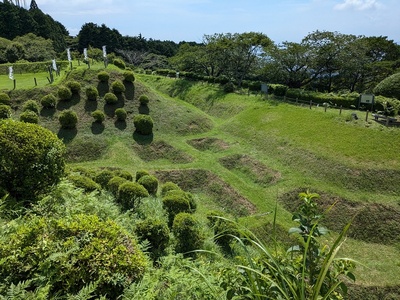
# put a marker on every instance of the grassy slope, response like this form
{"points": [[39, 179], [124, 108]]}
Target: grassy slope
{"points": [[307, 148]]}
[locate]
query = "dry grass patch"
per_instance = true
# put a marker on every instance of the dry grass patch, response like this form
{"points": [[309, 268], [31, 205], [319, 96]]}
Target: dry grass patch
{"points": [[161, 150], [211, 144]]}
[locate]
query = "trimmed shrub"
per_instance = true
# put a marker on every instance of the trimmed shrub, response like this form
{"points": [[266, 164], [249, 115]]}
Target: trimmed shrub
{"points": [[48, 101], [388, 106], [74, 86], [229, 87], [118, 87], [29, 117], [129, 193], [156, 232], [110, 98], [103, 76], [103, 177], [175, 204], [114, 184], [84, 182], [140, 174], [124, 174], [224, 229], [64, 93], [92, 93], [389, 87], [32, 159], [98, 116], [68, 119], [144, 100], [121, 114], [31, 105], [129, 76], [150, 183], [169, 186], [143, 124], [277, 89], [5, 99], [119, 63], [5, 111], [188, 196], [186, 230]]}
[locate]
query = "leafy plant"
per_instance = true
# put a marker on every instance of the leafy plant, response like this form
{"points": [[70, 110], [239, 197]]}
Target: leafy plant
{"points": [[29, 117], [31, 105], [150, 183], [92, 93], [187, 232], [110, 98], [64, 93], [144, 100], [118, 87], [103, 76], [5, 111], [143, 124], [74, 86], [98, 116], [48, 101], [68, 119], [129, 76], [121, 114], [129, 193], [119, 63], [5, 99]]}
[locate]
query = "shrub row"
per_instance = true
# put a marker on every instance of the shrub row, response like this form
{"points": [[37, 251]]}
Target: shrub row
{"points": [[32, 67]]}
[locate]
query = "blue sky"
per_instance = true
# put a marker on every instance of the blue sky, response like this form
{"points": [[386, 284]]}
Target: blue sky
{"points": [[190, 20]]}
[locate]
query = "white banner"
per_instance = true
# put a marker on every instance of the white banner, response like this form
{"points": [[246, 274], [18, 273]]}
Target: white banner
{"points": [[11, 73], [104, 52], [69, 55], [85, 54], [54, 65]]}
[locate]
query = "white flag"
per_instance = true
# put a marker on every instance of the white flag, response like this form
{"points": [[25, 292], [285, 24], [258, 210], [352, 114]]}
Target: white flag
{"points": [[104, 52], [69, 55], [85, 53], [54, 65], [11, 73]]}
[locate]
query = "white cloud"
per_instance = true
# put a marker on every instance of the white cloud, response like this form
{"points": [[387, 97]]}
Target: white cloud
{"points": [[358, 5]]}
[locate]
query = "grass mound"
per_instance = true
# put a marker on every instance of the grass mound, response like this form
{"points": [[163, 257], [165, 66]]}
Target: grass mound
{"points": [[86, 148], [251, 168], [161, 150], [373, 222], [198, 180], [211, 144]]}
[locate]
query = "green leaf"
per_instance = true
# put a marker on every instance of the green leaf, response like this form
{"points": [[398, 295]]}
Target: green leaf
{"points": [[295, 230]]}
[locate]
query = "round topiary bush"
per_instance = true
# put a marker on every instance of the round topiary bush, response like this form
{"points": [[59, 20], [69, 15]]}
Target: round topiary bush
{"points": [[229, 87], [169, 186], [98, 116], [118, 87], [140, 174], [84, 182], [119, 63], [29, 117], [186, 230], [92, 93], [5, 111], [74, 86], [144, 100], [31, 105], [114, 184], [175, 204], [143, 124], [5, 99], [129, 76], [121, 114], [68, 119], [150, 183], [64, 93], [129, 193], [48, 101], [110, 98], [389, 87], [124, 174], [155, 231], [186, 195], [103, 76], [32, 159], [103, 177]]}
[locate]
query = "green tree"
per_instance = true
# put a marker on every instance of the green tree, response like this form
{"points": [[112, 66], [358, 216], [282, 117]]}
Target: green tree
{"points": [[36, 48]]}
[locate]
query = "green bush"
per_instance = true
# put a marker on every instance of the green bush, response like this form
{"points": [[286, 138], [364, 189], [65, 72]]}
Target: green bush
{"points": [[388, 106], [64, 93], [389, 87], [129, 193], [48, 101], [118, 87], [5, 111], [168, 186], [156, 232], [188, 196], [121, 114], [32, 159], [129, 76], [84, 182], [31, 105], [29, 117], [74, 86], [110, 98], [143, 124], [70, 254], [114, 184], [187, 233], [124, 174], [98, 116], [224, 229], [68, 119], [229, 87], [144, 100], [5, 99], [150, 183], [92, 93], [119, 63], [103, 76], [175, 204], [277, 89], [140, 174], [103, 177]]}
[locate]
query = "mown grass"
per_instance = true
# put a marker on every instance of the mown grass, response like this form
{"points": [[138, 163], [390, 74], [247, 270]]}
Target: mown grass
{"points": [[202, 127]]}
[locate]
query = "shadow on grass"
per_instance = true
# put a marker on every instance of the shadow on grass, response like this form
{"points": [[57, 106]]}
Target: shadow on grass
{"points": [[143, 139], [67, 134], [129, 90], [121, 125], [75, 99], [90, 105], [144, 109], [103, 88], [97, 128], [47, 112], [109, 109]]}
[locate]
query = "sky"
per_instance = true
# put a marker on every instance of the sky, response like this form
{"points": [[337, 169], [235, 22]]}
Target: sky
{"points": [[190, 20]]}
